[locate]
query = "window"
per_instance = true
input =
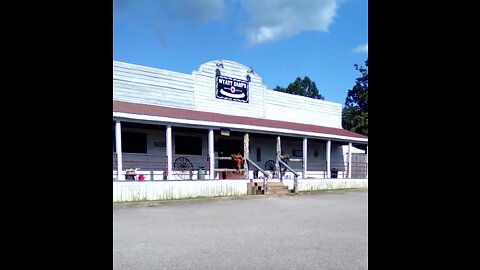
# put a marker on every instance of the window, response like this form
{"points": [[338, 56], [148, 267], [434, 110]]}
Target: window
{"points": [[185, 145], [133, 142], [259, 154], [297, 153]]}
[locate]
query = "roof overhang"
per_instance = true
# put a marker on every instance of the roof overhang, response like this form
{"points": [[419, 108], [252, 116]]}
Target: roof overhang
{"points": [[173, 116]]}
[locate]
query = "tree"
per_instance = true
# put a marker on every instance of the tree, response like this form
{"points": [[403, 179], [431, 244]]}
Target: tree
{"points": [[301, 87], [355, 113]]}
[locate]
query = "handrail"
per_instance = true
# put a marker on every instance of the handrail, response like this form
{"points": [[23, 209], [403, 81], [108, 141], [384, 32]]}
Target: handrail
{"points": [[265, 182], [289, 168], [223, 158], [229, 170], [258, 167], [295, 175]]}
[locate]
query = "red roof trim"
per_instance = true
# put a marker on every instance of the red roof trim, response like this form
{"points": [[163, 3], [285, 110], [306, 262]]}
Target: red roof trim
{"points": [[155, 110]]}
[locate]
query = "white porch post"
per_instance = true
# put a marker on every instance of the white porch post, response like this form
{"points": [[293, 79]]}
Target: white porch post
{"points": [[118, 146], [211, 153], [246, 154], [277, 164], [169, 152], [305, 152], [349, 160], [367, 161], [329, 147]]}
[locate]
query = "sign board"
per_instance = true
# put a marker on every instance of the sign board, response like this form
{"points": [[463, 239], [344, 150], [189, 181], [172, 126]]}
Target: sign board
{"points": [[159, 144], [231, 89], [224, 131]]}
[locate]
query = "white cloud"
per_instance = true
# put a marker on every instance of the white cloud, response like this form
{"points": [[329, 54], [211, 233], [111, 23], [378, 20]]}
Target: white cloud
{"points": [[361, 49], [271, 20]]}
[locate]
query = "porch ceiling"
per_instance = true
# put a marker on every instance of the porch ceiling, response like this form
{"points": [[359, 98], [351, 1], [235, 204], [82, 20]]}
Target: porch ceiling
{"points": [[161, 111]]}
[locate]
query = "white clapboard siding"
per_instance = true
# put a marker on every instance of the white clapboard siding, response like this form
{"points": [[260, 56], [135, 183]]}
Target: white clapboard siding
{"points": [[138, 84], [167, 190], [299, 109], [205, 90], [327, 184], [132, 92]]}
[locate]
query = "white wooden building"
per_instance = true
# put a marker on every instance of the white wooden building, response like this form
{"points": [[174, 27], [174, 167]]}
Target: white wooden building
{"points": [[168, 125]]}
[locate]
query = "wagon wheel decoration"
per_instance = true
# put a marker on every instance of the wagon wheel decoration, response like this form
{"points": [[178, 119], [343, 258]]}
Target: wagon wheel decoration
{"points": [[270, 166], [183, 168]]}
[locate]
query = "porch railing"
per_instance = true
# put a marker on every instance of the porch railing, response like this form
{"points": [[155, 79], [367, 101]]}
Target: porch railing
{"points": [[152, 167], [147, 166]]}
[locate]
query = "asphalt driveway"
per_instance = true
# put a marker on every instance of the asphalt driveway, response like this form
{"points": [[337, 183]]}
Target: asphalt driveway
{"points": [[322, 231]]}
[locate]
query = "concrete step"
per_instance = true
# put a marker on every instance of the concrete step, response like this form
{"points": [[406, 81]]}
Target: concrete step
{"points": [[270, 184], [277, 188], [284, 192], [275, 184], [274, 188]]}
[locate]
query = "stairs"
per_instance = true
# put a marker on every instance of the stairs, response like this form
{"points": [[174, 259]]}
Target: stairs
{"points": [[274, 188]]}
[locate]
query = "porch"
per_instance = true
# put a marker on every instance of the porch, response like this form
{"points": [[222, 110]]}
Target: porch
{"points": [[165, 153]]}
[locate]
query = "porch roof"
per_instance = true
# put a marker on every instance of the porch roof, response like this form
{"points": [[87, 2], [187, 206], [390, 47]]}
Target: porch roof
{"points": [[205, 117]]}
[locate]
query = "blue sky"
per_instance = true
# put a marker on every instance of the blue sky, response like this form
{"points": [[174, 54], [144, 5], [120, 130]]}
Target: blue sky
{"points": [[280, 39]]}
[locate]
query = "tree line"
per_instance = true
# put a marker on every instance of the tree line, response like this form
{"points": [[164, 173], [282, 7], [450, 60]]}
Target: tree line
{"points": [[355, 112]]}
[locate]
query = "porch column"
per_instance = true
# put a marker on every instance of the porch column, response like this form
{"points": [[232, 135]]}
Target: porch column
{"points": [[349, 160], [329, 147], [169, 152], [246, 154], [118, 146], [211, 154], [367, 161], [277, 164], [305, 152]]}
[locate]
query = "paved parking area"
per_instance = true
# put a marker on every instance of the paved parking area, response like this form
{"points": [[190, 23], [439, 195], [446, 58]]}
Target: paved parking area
{"points": [[321, 231]]}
